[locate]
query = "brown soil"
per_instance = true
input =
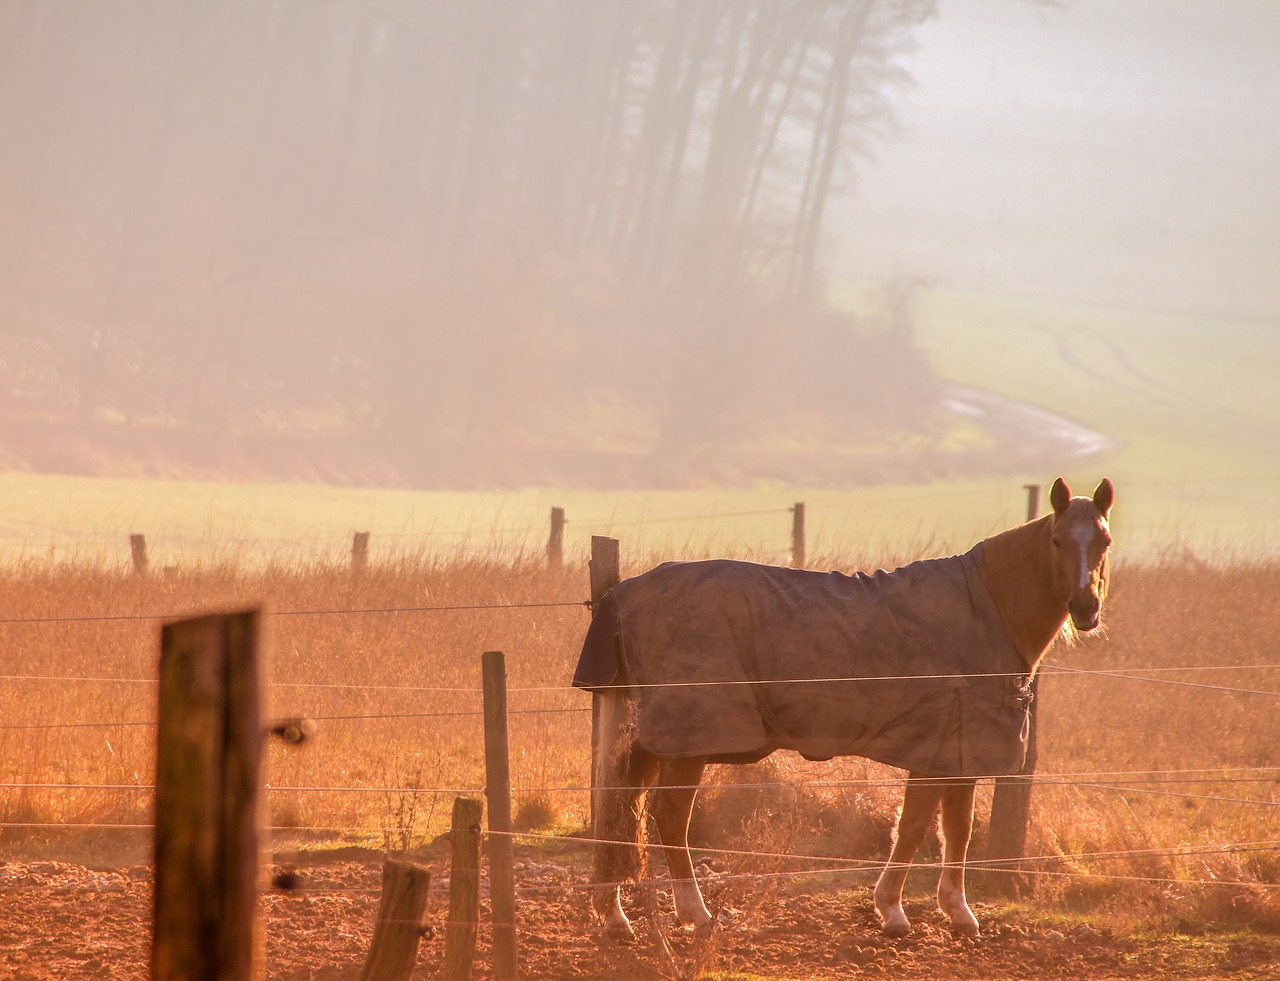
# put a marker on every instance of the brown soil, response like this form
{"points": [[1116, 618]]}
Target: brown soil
{"points": [[69, 921]]}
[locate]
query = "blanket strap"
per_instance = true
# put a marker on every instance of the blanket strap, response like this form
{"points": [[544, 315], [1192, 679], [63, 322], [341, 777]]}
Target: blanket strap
{"points": [[1025, 696]]}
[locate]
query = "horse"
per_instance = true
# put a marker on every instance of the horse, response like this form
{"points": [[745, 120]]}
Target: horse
{"points": [[927, 668]]}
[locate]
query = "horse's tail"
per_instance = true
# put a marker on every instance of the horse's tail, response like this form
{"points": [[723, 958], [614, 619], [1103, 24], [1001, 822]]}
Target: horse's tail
{"points": [[616, 786]]}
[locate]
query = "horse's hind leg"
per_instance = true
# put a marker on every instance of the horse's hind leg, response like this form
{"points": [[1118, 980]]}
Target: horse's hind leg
{"points": [[957, 825], [622, 773], [672, 805], [919, 808]]}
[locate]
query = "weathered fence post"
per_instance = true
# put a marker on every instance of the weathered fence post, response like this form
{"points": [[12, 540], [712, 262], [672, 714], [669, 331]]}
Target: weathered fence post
{"points": [[1011, 800], [605, 572], [464, 890], [1010, 814], [1033, 501], [798, 556], [138, 550], [497, 766], [393, 951], [360, 552], [555, 543], [208, 758], [604, 569]]}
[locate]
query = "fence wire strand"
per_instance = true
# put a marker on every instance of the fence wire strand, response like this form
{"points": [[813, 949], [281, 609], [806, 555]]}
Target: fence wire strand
{"points": [[1156, 783], [1123, 674]]}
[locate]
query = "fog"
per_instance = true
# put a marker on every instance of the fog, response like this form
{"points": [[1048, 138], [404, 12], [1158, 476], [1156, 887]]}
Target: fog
{"points": [[556, 241], [1116, 152]]}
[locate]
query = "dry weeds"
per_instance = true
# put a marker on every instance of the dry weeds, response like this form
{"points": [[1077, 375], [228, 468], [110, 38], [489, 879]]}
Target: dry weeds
{"points": [[1119, 824]]}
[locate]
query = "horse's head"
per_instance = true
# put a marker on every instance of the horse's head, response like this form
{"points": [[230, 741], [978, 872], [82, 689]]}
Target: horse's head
{"points": [[1081, 540]]}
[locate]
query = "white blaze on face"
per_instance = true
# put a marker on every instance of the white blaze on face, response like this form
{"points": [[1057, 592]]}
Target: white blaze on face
{"points": [[1084, 537]]}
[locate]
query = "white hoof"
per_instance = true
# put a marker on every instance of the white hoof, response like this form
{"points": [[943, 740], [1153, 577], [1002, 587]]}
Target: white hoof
{"points": [[616, 924], [619, 929], [894, 923], [966, 926], [691, 911], [962, 919]]}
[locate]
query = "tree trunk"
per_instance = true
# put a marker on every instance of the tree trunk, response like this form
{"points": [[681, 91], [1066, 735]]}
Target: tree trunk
{"points": [[826, 151]]}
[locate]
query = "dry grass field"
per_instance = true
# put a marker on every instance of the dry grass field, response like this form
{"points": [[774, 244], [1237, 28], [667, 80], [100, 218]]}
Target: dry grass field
{"points": [[1159, 763]]}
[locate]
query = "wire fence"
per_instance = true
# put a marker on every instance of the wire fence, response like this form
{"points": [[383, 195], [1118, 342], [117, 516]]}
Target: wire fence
{"points": [[1133, 781], [480, 538], [1187, 785], [1147, 782], [1233, 516], [1067, 864]]}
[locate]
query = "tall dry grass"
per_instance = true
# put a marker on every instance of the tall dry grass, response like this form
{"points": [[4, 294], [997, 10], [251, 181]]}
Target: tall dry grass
{"points": [[1118, 824], [396, 696]]}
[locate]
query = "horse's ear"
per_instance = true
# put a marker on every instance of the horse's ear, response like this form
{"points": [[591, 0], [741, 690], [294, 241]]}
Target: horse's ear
{"points": [[1104, 496], [1059, 495]]}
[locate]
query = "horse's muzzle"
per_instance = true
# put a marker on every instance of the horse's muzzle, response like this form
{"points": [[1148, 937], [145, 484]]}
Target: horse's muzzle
{"points": [[1085, 616]]}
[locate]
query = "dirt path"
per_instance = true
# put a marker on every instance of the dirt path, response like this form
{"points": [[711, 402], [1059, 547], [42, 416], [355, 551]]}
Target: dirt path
{"points": [[67, 921], [1020, 427]]}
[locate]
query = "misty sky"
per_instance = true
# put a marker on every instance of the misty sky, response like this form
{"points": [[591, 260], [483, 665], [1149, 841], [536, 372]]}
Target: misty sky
{"points": [[1117, 151], [320, 221]]}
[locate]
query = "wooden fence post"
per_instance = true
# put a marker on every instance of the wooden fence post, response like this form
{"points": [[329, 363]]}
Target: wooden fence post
{"points": [[393, 951], [798, 556], [138, 550], [1010, 814], [1033, 501], [208, 758], [1011, 799], [497, 765], [605, 572], [604, 569], [464, 890], [360, 552], [555, 543]]}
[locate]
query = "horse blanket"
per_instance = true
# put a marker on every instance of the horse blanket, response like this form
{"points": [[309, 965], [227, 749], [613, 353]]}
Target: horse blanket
{"points": [[733, 660]]}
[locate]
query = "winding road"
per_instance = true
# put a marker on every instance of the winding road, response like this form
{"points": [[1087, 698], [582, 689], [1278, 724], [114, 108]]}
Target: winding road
{"points": [[1019, 425]]}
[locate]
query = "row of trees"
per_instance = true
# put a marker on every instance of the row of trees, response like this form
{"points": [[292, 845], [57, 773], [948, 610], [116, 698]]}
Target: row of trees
{"points": [[456, 222]]}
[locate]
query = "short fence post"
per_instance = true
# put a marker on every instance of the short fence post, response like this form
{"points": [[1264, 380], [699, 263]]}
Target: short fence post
{"points": [[208, 758], [605, 572], [393, 951], [138, 549], [497, 765], [464, 890], [360, 552], [1033, 501], [1011, 800], [555, 543], [798, 557]]}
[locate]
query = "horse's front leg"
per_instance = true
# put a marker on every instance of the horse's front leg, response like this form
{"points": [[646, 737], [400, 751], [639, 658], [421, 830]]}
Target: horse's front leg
{"points": [[957, 825], [673, 804], [919, 808]]}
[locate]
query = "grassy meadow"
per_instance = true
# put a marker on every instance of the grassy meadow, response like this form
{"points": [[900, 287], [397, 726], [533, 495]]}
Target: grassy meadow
{"points": [[1188, 404]]}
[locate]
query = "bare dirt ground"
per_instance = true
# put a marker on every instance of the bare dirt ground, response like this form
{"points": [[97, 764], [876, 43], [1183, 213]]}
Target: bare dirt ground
{"points": [[71, 921]]}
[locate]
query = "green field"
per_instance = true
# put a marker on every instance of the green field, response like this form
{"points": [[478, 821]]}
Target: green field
{"points": [[1191, 403], [1188, 402]]}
